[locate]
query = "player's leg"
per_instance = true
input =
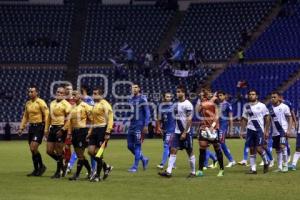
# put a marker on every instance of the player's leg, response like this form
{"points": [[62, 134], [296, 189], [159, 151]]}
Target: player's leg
{"points": [[250, 140], [283, 147], [245, 154], [51, 144], [59, 146], [219, 154], [188, 145], [92, 150], [174, 143], [296, 155], [259, 141], [38, 158], [225, 148], [166, 150], [80, 155], [276, 146], [203, 144], [138, 153]]}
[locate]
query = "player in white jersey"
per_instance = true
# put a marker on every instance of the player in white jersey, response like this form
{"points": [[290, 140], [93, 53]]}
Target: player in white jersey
{"points": [[297, 153], [257, 120], [182, 138], [281, 128]]}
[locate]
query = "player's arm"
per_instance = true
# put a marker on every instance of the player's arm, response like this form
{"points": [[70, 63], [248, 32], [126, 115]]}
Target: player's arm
{"points": [[230, 121], [147, 116], [47, 125], [45, 112], [267, 120], [294, 119], [289, 119], [110, 122], [158, 124], [24, 121], [244, 122]]}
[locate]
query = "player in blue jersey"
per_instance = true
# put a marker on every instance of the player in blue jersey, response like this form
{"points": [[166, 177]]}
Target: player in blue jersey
{"points": [[139, 120], [226, 125], [165, 125]]}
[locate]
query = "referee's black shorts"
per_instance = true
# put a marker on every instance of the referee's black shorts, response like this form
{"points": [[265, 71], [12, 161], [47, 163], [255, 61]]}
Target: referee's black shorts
{"points": [[52, 134], [36, 132], [79, 137], [97, 137]]}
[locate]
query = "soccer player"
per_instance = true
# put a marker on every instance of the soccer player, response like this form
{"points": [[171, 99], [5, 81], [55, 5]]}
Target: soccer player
{"points": [[78, 132], [297, 153], [58, 123], [36, 113], [281, 128], [102, 125], [209, 130], [140, 118], [257, 120], [226, 124], [166, 125], [182, 137]]}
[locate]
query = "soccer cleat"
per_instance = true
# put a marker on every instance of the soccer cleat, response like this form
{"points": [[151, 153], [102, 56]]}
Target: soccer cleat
{"points": [[243, 163], [107, 172], [266, 168], [292, 167], [262, 163], [41, 170], [95, 179], [63, 171], [231, 164], [132, 170], [160, 166], [145, 163], [33, 173], [56, 176], [165, 174], [277, 170], [221, 173], [199, 173], [74, 178], [68, 170], [204, 168], [214, 165], [285, 169], [191, 175], [271, 163], [251, 172]]}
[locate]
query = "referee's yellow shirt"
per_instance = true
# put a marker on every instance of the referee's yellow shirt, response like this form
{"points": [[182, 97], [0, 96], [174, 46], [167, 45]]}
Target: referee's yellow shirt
{"points": [[79, 115], [36, 111], [102, 115]]}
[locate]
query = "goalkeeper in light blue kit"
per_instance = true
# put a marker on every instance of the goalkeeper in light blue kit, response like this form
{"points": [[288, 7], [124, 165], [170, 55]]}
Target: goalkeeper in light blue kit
{"points": [[165, 125], [139, 121]]}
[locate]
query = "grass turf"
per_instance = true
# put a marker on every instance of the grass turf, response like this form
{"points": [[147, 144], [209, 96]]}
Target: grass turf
{"points": [[16, 163]]}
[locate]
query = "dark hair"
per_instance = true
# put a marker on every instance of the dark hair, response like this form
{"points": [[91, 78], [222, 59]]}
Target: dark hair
{"points": [[99, 89], [253, 90], [66, 85], [136, 83], [35, 87], [221, 92], [278, 93], [182, 88]]}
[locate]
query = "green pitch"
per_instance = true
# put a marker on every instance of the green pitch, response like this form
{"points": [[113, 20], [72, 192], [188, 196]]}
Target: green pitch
{"points": [[16, 162]]}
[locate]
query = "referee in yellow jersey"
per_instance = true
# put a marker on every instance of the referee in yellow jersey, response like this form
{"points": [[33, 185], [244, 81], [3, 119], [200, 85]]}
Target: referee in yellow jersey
{"points": [[58, 124], [36, 114], [102, 125], [78, 131]]}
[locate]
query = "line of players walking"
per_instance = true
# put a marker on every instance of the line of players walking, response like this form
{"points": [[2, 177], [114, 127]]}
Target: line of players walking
{"points": [[77, 119]]}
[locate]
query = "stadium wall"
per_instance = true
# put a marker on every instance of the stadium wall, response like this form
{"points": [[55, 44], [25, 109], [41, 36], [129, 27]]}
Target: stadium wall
{"points": [[54, 2]]}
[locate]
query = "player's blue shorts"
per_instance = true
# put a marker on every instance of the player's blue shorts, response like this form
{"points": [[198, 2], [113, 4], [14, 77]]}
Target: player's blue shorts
{"points": [[167, 137], [254, 138], [134, 135], [298, 141], [187, 144], [222, 134]]}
